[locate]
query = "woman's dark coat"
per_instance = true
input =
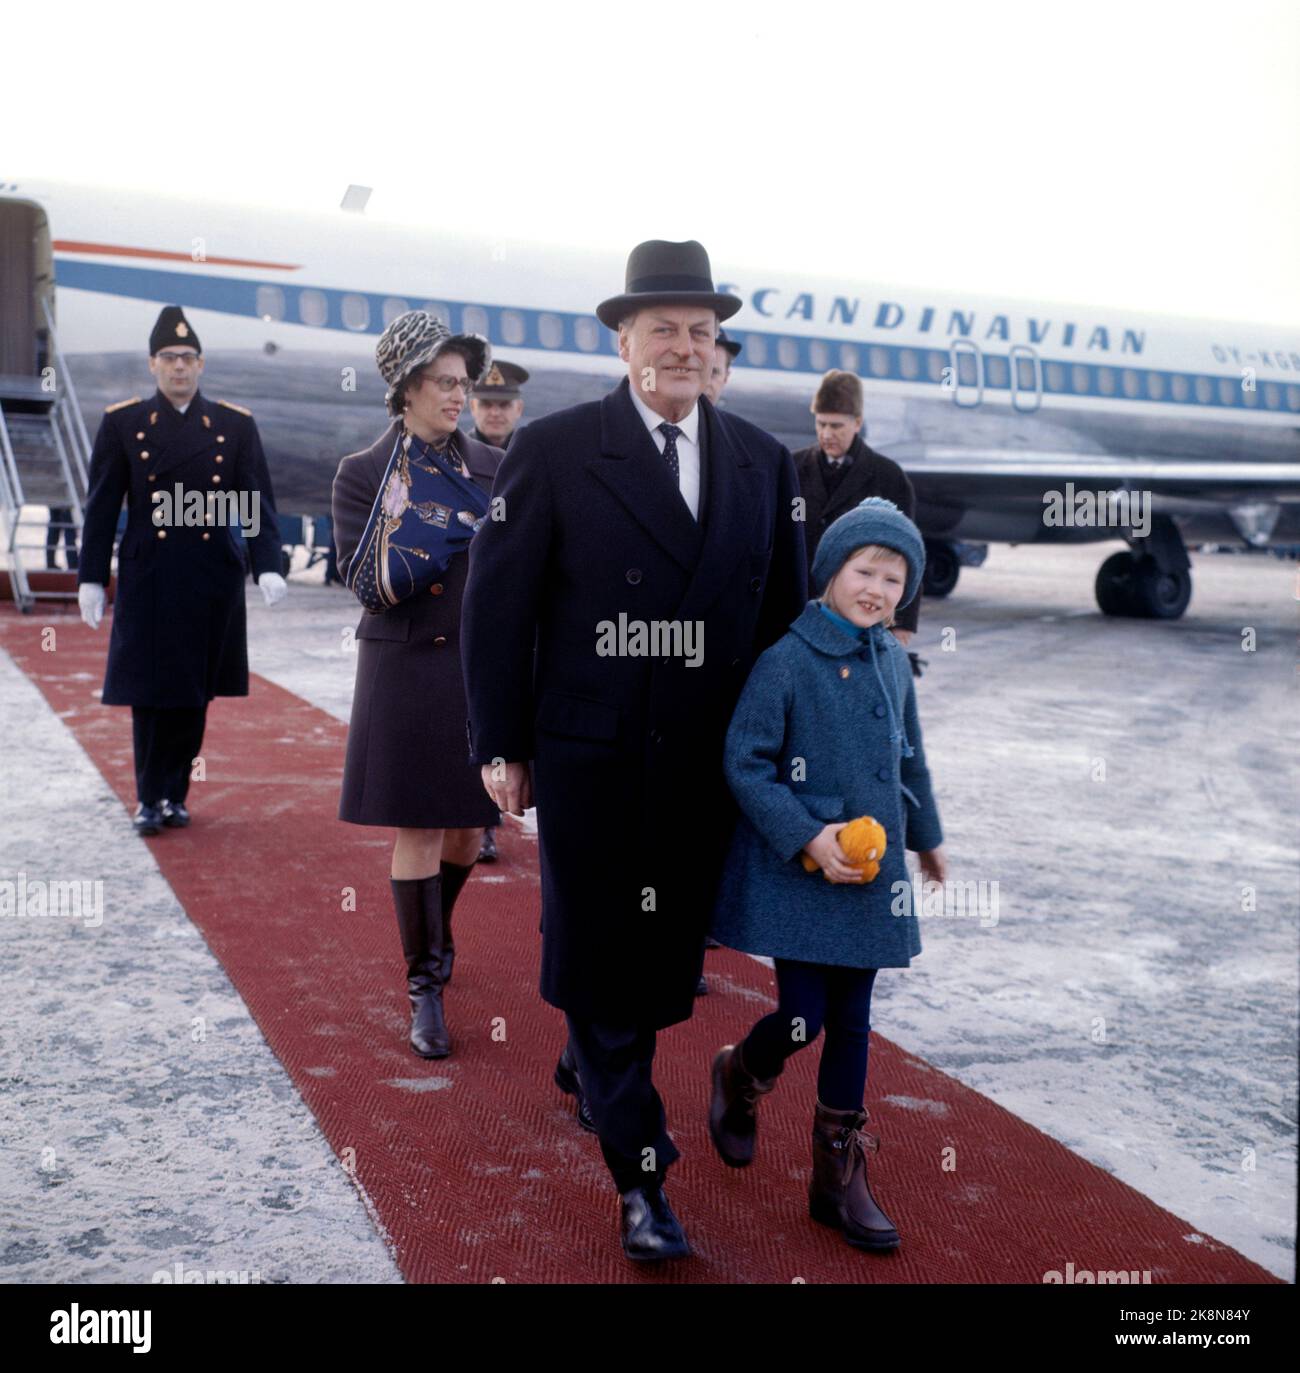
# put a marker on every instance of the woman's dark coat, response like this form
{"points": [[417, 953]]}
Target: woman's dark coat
{"points": [[633, 811], [407, 759]]}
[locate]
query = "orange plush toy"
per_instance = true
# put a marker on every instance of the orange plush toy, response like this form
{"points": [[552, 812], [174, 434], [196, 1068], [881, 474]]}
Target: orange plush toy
{"points": [[863, 842]]}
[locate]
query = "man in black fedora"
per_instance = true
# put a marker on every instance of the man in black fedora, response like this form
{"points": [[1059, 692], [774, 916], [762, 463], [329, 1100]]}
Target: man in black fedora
{"points": [[189, 470], [645, 554]]}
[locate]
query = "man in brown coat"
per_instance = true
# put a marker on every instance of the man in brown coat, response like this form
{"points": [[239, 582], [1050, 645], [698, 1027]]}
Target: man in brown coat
{"points": [[839, 471]]}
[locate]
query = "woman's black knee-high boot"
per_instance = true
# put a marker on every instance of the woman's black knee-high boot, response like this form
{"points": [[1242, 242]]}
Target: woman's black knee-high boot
{"points": [[454, 877], [419, 920]]}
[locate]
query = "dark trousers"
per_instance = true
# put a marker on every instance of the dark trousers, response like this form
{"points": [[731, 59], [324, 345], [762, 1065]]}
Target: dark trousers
{"points": [[167, 740], [614, 1063], [812, 995], [60, 530]]}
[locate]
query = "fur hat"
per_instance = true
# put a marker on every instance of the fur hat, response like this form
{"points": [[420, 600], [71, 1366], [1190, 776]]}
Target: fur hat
{"points": [[874, 520], [416, 338], [840, 393]]}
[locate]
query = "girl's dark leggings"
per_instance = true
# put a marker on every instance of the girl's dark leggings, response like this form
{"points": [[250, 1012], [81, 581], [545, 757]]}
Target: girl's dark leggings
{"points": [[812, 995]]}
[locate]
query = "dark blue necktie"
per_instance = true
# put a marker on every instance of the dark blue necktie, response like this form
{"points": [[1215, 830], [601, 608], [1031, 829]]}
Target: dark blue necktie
{"points": [[670, 433]]}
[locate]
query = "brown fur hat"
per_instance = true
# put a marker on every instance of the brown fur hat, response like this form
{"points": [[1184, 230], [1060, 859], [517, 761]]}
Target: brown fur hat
{"points": [[840, 393]]}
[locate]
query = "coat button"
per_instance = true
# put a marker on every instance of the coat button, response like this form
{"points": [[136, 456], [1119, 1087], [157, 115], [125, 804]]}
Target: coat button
{"points": [[162, 533], [218, 458], [206, 535], [880, 710], [216, 477], [883, 774], [140, 435], [144, 455], [221, 438], [439, 641], [633, 575], [152, 478], [436, 589], [756, 584]]}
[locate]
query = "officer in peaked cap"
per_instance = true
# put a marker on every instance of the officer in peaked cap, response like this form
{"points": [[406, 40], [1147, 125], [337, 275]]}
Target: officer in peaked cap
{"points": [[497, 404], [727, 350], [190, 470]]}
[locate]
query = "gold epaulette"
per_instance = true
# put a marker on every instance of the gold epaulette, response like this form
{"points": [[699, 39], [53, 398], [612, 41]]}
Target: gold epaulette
{"points": [[108, 409], [230, 405]]}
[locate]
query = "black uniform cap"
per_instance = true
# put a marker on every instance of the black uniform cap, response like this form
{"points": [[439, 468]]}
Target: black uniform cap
{"points": [[729, 344], [501, 381], [172, 328]]}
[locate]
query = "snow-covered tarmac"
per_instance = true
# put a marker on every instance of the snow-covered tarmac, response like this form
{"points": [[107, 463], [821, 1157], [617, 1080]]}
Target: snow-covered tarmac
{"points": [[1129, 786]]}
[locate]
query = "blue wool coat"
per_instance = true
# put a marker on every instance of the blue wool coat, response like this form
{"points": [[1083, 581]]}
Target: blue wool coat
{"points": [[822, 733]]}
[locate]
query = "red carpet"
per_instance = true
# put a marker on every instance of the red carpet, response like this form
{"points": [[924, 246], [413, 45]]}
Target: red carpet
{"points": [[475, 1164]]}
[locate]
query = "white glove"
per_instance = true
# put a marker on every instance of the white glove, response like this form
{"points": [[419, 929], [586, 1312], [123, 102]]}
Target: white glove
{"points": [[274, 587], [90, 597]]}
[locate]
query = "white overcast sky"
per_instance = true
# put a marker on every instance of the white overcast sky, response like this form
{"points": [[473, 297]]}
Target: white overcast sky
{"points": [[1141, 154]]}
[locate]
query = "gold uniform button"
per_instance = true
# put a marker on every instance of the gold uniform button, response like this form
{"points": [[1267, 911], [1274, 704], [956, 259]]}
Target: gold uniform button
{"points": [[162, 533], [144, 453], [218, 458], [140, 435], [206, 535], [436, 589], [152, 477], [844, 672], [216, 477], [221, 438]]}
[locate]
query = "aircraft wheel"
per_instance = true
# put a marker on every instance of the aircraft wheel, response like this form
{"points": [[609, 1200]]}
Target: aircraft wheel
{"points": [[942, 569], [1161, 595], [1116, 586]]}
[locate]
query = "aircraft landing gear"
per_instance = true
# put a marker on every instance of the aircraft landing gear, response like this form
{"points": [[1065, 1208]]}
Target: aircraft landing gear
{"points": [[1152, 583]]}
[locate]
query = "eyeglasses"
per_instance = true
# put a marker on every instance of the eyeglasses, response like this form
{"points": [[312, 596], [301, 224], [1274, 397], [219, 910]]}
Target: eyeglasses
{"points": [[448, 384], [170, 358]]}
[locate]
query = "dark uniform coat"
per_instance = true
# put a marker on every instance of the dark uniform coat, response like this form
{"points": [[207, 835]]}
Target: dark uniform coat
{"points": [[407, 761], [178, 636], [633, 810], [871, 474]]}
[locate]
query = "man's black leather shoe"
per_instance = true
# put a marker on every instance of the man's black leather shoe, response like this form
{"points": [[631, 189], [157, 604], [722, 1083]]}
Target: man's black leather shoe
{"points": [[648, 1228], [147, 819], [710, 942], [702, 987], [568, 1081], [174, 815], [487, 849]]}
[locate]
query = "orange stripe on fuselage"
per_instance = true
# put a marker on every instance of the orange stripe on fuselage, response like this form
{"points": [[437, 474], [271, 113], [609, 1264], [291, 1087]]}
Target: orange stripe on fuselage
{"points": [[65, 245]]}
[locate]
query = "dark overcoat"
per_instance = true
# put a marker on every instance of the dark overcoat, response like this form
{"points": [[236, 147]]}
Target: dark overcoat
{"points": [[818, 737], [634, 814], [407, 762], [871, 474], [179, 635]]}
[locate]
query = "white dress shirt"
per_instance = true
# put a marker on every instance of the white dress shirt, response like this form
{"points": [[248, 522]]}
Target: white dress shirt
{"points": [[688, 448]]}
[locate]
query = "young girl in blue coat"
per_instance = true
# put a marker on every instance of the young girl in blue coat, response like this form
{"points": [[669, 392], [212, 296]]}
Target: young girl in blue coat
{"points": [[826, 730]]}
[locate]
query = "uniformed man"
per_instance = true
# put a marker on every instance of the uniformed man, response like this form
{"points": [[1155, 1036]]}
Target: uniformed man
{"points": [[839, 472], [497, 407], [497, 404], [191, 471], [727, 350]]}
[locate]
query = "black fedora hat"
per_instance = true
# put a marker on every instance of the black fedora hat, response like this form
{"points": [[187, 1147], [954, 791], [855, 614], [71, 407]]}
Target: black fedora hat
{"points": [[661, 273], [730, 344]]}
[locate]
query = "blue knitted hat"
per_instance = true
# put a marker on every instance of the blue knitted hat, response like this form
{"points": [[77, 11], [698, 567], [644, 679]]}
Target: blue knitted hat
{"points": [[875, 520]]}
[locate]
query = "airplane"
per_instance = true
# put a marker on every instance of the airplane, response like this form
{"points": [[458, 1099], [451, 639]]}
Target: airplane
{"points": [[1016, 422]]}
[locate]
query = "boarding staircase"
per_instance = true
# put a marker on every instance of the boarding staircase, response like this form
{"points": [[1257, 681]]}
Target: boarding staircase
{"points": [[44, 460]]}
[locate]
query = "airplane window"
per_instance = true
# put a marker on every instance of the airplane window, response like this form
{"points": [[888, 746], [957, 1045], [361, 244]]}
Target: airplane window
{"points": [[966, 374], [1156, 385], [270, 303], [474, 320], [996, 370], [1080, 379], [935, 362], [909, 364], [1272, 396], [393, 307], [787, 352], [1293, 397], [819, 355], [1227, 391], [1132, 383], [356, 311], [550, 329], [1180, 387], [1203, 390], [313, 308], [443, 312], [1055, 377], [878, 361], [1250, 398], [848, 357], [587, 333], [1106, 380], [512, 326], [1025, 374], [756, 347]]}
